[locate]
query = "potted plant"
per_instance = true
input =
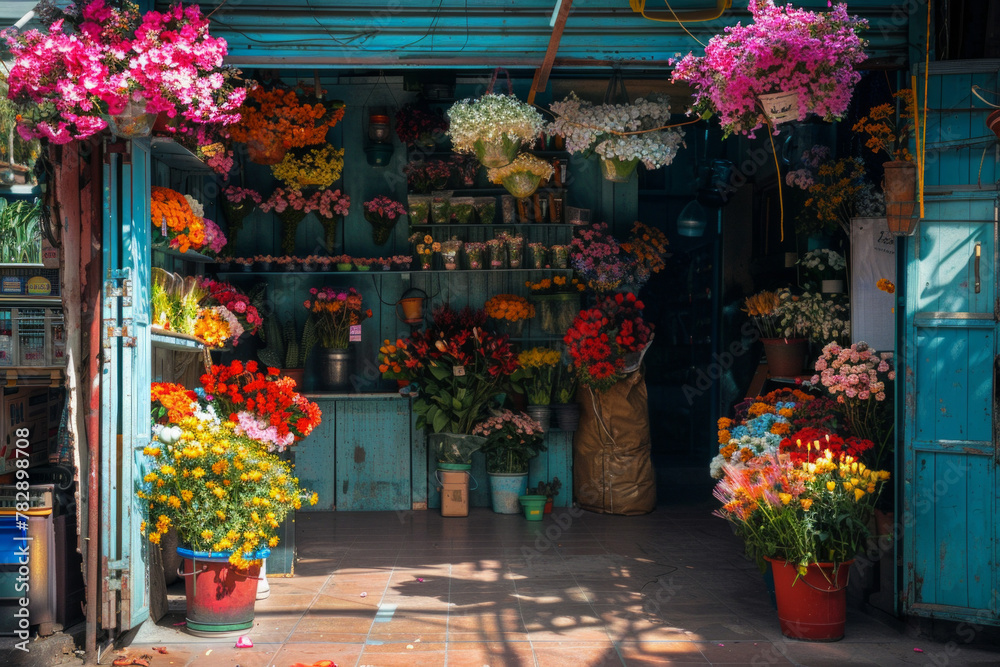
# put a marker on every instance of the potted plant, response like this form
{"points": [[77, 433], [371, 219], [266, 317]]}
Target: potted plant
{"points": [[425, 246], [272, 121], [547, 490], [784, 340], [825, 269], [807, 518], [334, 312], [522, 176], [287, 349], [784, 65], [539, 364], [382, 213], [101, 65], [512, 440], [891, 135], [493, 127], [621, 134]]}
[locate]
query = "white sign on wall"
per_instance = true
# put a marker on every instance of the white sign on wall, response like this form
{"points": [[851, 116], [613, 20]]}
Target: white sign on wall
{"points": [[873, 257]]}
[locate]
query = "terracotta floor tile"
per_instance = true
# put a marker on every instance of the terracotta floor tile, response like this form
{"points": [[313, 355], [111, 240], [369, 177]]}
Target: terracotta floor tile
{"points": [[333, 622], [259, 655], [508, 656], [686, 652], [342, 654], [370, 658], [585, 655]]}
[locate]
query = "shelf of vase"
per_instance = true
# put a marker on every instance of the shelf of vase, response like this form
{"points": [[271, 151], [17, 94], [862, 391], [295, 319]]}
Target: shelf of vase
{"points": [[376, 273], [175, 155], [483, 225]]}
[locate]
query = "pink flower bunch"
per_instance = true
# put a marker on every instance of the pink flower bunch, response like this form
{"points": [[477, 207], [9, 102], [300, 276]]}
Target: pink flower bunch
{"points": [[331, 204], [785, 49], [221, 162], [233, 300], [385, 208], [283, 198], [215, 239], [509, 425], [236, 195], [94, 60], [258, 428], [854, 372], [178, 66]]}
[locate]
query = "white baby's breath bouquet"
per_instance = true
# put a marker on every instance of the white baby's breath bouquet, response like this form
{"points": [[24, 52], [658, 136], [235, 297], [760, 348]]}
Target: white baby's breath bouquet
{"points": [[822, 318], [609, 129], [823, 264], [492, 119]]}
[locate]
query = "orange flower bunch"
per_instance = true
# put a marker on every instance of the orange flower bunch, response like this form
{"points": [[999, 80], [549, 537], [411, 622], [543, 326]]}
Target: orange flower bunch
{"points": [[649, 247], [886, 286], [556, 284], [279, 114], [171, 402], [885, 132], [510, 307], [212, 328], [170, 212]]}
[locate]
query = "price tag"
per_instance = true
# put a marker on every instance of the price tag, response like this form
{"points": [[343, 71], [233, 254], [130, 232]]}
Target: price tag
{"points": [[163, 226], [355, 333], [458, 371]]}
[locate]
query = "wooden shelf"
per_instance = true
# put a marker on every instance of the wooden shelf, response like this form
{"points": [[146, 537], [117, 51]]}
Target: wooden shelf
{"points": [[378, 273], [473, 225], [171, 340]]}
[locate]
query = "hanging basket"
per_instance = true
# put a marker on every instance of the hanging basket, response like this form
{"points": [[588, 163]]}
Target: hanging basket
{"points": [[497, 153], [616, 170], [522, 184], [271, 151], [780, 107], [132, 122], [900, 187]]}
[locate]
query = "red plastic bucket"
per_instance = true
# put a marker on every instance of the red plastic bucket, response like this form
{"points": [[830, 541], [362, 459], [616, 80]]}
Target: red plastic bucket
{"points": [[814, 607], [220, 596]]}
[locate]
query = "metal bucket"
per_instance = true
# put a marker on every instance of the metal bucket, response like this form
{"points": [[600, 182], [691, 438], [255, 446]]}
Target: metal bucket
{"points": [[334, 366]]}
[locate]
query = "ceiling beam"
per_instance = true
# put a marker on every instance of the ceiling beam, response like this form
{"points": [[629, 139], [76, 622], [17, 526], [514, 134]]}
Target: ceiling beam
{"points": [[541, 80]]}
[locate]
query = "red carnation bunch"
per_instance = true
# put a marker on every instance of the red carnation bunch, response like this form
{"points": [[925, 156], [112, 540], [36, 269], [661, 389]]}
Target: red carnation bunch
{"points": [[810, 443], [265, 406], [235, 301], [603, 336]]}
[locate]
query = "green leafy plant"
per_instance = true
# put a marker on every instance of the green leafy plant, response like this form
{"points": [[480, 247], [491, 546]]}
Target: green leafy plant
{"points": [[547, 489], [512, 439], [20, 232]]}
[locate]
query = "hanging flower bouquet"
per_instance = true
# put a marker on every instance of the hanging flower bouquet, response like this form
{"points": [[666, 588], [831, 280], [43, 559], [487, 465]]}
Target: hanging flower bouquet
{"points": [[621, 134], [493, 127], [417, 124], [383, 213], [334, 311], [96, 62], [608, 340], [317, 167], [272, 121], [330, 206], [522, 176], [237, 204], [174, 220], [291, 207], [810, 55]]}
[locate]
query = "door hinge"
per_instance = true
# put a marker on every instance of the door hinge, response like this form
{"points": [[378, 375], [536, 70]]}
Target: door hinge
{"points": [[112, 331], [118, 285]]}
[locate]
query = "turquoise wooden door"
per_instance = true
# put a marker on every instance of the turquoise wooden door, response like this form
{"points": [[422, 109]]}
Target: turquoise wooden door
{"points": [[951, 455], [125, 373]]}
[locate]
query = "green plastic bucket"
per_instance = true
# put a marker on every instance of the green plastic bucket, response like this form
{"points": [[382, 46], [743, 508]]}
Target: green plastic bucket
{"points": [[534, 506]]}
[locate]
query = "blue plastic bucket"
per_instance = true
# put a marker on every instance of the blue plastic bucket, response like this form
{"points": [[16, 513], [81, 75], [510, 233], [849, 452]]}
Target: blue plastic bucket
{"points": [[505, 490]]}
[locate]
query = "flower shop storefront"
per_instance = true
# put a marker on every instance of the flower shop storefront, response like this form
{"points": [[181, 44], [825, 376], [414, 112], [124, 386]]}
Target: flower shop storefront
{"points": [[479, 300]]}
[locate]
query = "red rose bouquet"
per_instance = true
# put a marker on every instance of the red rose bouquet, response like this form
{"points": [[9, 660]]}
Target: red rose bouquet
{"points": [[603, 338], [263, 406]]}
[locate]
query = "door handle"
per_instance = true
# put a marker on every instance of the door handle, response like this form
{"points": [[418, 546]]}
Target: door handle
{"points": [[979, 249]]}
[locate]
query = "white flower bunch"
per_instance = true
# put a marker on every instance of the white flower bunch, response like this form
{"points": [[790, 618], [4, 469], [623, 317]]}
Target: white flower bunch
{"points": [[821, 318], [490, 119], [824, 264], [196, 207], [588, 127]]}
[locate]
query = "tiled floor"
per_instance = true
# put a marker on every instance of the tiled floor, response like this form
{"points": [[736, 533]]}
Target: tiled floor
{"points": [[413, 588]]}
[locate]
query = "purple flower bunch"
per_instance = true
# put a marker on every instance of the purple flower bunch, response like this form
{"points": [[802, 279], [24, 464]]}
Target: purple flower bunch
{"points": [[811, 54]]}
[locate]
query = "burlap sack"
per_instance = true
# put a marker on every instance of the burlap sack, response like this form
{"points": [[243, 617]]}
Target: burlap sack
{"points": [[612, 472]]}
